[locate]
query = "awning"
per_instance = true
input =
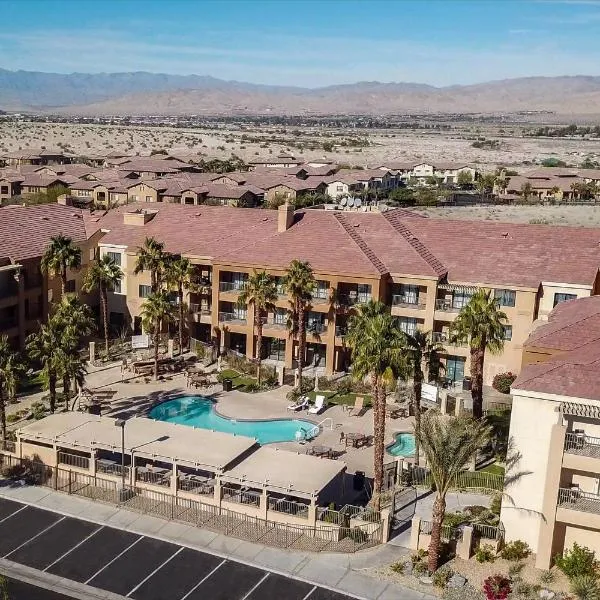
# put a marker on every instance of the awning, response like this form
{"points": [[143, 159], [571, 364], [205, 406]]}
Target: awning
{"points": [[464, 289], [580, 410]]}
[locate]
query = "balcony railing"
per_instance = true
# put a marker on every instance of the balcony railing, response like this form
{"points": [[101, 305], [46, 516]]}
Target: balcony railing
{"points": [[239, 496], [226, 317], [196, 484], [575, 499], [161, 477], [319, 300], [584, 445], [316, 328], [74, 460], [408, 301], [232, 286], [439, 337], [341, 331], [446, 306], [289, 507], [272, 322], [352, 299], [200, 309], [111, 468]]}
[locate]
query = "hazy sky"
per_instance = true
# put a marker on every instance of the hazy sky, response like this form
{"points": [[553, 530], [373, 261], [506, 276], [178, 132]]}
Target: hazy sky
{"points": [[310, 42]]}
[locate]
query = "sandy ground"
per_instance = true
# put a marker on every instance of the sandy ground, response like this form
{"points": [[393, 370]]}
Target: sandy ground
{"points": [[252, 142]]}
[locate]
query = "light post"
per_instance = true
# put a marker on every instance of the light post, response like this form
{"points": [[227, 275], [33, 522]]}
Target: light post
{"points": [[121, 423]]}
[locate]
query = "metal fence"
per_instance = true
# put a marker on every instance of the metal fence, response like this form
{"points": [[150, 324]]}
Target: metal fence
{"points": [[112, 469], [481, 531], [448, 532], [470, 481], [488, 532], [579, 500], [74, 460], [288, 507], [239, 496], [584, 445]]}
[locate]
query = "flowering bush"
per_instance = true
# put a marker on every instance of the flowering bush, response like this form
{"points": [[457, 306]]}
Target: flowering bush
{"points": [[496, 587], [503, 381]]}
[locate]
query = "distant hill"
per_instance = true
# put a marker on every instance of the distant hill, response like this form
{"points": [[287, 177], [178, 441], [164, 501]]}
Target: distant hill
{"points": [[149, 93]]}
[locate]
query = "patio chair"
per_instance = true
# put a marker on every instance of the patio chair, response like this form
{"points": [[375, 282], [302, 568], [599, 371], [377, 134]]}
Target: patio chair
{"points": [[359, 407], [301, 404], [320, 404]]}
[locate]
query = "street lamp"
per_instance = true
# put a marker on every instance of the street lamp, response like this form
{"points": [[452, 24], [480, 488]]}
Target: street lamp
{"points": [[121, 423]]}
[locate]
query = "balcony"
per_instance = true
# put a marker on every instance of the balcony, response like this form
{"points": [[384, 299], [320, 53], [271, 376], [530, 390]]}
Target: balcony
{"points": [[111, 467], [575, 499], [353, 299], [200, 309], [319, 300], [582, 445], [316, 328], [441, 337], [272, 322], [341, 331], [446, 306], [226, 317], [234, 287], [408, 301]]}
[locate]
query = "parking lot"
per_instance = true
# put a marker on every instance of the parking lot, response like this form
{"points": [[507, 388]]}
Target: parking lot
{"points": [[136, 566]]}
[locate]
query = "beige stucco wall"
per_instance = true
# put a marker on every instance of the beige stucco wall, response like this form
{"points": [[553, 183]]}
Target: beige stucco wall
{"points": [[584, 537], [549, 289]]}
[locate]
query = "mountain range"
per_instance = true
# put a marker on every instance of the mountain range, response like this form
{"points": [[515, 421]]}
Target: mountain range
{"points": [[158, 94]]}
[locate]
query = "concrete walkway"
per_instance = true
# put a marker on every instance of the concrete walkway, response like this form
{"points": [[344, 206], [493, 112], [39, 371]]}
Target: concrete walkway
{"points": [[341, 572]]}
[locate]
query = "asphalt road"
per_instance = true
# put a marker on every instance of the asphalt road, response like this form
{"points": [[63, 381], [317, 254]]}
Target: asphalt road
{"points": [[132, 565]]}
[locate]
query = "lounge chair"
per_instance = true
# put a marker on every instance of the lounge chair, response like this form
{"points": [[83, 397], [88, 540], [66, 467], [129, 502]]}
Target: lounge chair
{"points": [[359, 407], [320, 404], [301, 404]]}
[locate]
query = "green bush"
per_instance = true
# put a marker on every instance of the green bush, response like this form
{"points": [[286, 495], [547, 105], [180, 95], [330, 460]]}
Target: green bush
{"points": [[485, 553], [496, 504], [515, 570], [442, 576], [420, 568], [517, 550], [577, 561], [503, 381], [585, 587], [547, 577], [454, 519], [398, 567]]}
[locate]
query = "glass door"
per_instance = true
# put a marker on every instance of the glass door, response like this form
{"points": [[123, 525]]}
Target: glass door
{"points": [[455, 368]]}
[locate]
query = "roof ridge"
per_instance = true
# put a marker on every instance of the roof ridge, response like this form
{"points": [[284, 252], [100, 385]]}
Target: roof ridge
{"points": [[424, 252], [364, 247]]}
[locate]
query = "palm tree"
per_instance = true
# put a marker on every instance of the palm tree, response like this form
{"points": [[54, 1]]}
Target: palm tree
{"points": [[151, 257], [104, 275], [377, 347], [526, 190], [60, 255], [260, 292], [72, 368], [449, 443], [299, 282], [180, 274], [481, 324], [156, 312], [44, 347], [11, 370], [420, 351]]}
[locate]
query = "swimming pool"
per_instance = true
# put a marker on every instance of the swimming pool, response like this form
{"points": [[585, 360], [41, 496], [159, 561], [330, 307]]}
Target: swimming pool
{"points": [[197, 411], [403, 446]]}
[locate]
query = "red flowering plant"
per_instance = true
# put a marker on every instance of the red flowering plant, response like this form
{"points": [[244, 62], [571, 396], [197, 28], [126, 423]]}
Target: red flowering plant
{"points": [[496, 587]]}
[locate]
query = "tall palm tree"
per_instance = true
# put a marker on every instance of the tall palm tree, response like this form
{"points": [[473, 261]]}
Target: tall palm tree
{"points": [[11, 370], [152, 257], [299, 283], [61, 254], [156, 312], [420, 351], [72, 368], [449, 443], [260, 293], [104, 275], [44, 347], [481, 324], [377, 346], [180, 274]]}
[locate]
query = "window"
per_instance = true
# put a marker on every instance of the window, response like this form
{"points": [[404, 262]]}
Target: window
{"points": [[321, 290], [505, 297], [508, 332], [408, 325], [460, 299], [275, 348], [148, 198], [4, 189], [144, 291], [118, 287], [70, 287], [558, 298], [339, 188], [239, 312], [134, 198], [116, 256], [281, 316], [409, 294], [364, 292]]}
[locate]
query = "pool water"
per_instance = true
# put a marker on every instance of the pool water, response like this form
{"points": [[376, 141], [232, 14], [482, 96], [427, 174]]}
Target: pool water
{"points": [[403, 446], [197, 411]]}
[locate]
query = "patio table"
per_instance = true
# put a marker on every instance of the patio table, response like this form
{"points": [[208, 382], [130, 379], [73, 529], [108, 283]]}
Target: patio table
{"points": [[355, 439], [321, 451]]}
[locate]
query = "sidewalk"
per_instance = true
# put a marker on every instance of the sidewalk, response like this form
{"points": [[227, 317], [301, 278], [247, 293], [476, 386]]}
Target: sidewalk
{"points": [[341, 572]]}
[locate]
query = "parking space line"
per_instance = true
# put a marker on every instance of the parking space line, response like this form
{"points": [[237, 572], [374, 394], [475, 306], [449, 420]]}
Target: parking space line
{"points": [[114, 559], [204, 579], [250, 592], [309, 593], [14, 513], [33, 537], [154, 572], [85, 539]]}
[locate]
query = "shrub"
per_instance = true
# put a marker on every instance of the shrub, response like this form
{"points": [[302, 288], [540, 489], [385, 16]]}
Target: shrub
{"points": [[496, 587], [485, 553], [503, 381], [517, 550], [496, 504], [420, 568], [547, 577], [398, 567], [577, 561], [442, 576], [585, 587], [514, 571], [454, 519]]}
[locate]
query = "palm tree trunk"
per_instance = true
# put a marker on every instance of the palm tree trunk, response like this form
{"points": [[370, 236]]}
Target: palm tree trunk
{"points": [[259, 336], [301, 342], [156, 341], [180, 294], [2, 413], [378, 438], [66, 390], [437, 519], [104, 302], [63, 280], [477, 358], [417, 386], [52, 389]]}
